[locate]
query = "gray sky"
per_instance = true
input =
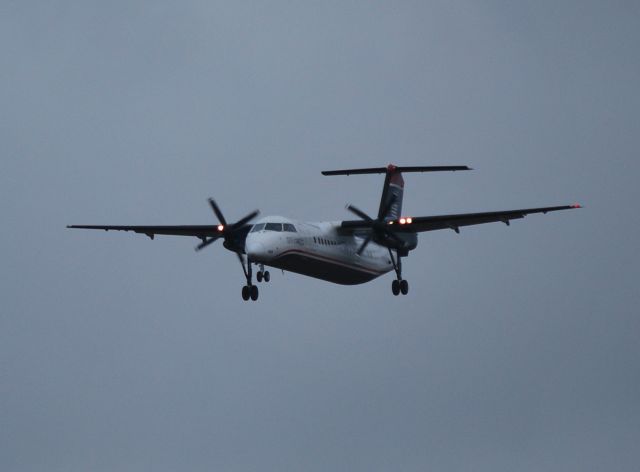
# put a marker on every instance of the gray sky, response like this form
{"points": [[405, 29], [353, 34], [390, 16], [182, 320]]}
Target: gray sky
{"points": [[517, 348]]}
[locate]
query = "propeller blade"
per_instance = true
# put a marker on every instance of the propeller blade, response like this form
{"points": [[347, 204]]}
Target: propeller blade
{"points": [[205, 243], [364, 245], [359, 213], [245, 220], [217, 211]]}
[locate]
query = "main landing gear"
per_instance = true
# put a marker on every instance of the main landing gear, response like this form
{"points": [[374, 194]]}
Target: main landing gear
{"points": [[250, 291], [399, 285]]}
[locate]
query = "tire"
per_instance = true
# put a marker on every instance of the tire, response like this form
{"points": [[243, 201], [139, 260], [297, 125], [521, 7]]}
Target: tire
{"points": [[254, 292], [267, 276], [259, 276], [395, 287], [404, 287], [246, 293]]}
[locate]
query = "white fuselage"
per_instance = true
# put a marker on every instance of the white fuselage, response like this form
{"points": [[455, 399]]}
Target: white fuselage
{"points": [[317, 250]]}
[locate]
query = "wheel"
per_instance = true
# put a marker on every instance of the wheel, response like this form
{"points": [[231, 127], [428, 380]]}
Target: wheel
{"points": [[254, 292], [267, 276], [404, 287], [259, 276], [395, 287], [246, 292]]}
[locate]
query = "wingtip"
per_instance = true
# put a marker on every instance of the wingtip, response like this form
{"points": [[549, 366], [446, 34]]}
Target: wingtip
{"points": [[576, 205]]}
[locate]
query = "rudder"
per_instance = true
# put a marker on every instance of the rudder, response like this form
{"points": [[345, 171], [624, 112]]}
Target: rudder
{"points": [[392, 194]]}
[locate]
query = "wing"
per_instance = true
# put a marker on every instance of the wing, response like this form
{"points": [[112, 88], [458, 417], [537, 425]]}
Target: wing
{"points": [[199, 231], [454, 222]]}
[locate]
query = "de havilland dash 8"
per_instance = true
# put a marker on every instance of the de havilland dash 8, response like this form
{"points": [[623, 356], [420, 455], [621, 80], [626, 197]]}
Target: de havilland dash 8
{"points": [[345, 252]]}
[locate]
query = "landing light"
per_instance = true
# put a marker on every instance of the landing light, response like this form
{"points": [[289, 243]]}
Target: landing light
{"points": [[409, 220], [402, 221], [221, 228]]}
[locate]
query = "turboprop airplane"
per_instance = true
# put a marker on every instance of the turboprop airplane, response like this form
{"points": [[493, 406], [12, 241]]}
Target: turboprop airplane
{"points": [[344, 252]]}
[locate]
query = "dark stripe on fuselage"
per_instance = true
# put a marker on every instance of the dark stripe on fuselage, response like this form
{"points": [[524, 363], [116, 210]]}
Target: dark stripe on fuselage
{"points": [[320, 267]]}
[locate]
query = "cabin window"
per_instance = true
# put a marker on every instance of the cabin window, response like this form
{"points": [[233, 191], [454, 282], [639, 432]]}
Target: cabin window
{"points": [[273, 227], [258, 227]]}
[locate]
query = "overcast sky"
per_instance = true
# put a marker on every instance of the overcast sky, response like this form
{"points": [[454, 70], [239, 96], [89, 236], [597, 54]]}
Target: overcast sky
{"points": [[516, 349]]}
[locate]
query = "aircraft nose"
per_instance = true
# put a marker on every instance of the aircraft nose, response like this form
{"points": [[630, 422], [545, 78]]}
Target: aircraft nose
{"points": [[255, 250]]}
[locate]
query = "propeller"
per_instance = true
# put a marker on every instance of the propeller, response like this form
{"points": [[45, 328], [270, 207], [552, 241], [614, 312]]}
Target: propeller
{"points": [[226, 231], [379, 227]]}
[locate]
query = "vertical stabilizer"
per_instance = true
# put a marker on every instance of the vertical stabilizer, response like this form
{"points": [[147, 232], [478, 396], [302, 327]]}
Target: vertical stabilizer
{"points": [[392, 193]]}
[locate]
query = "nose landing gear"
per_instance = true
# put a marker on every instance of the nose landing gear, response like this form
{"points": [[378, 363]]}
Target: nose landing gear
{"points": [[263, 274]]}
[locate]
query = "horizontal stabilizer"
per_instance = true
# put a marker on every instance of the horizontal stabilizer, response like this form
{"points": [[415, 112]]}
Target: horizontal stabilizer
{"points": [[392, 169]]}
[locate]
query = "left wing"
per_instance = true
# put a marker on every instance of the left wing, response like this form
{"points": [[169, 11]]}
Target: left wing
{"points": [[454, 222], [199, 231], [234, 234]]}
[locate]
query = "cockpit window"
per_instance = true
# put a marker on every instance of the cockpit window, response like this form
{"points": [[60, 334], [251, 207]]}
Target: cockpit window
{"points": [[289, 227], [258, 227], [273, 227]]}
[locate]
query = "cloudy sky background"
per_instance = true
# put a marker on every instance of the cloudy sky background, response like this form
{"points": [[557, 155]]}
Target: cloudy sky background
{"points": [[516, 349]]}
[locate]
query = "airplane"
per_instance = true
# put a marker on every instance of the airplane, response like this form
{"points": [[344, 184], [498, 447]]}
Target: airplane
{"points": [[347, 252]]}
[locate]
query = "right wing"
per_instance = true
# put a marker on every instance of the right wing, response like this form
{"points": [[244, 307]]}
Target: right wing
{"points": [[432, 223]]}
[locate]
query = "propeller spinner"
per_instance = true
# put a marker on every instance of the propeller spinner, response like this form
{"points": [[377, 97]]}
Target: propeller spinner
{"points": [[226, 231]]}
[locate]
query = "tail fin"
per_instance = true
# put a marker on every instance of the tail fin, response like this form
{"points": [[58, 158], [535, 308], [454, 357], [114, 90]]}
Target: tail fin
{"points": [[392, 193], [393, 190]]}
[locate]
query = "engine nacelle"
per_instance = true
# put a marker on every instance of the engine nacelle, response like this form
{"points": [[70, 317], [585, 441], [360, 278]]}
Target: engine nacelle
{"points": [[404, 243]]}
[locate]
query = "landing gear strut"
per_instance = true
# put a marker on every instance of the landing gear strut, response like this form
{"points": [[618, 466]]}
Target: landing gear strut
{"points": [[399, 285], [249, 291]]}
